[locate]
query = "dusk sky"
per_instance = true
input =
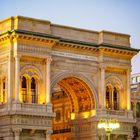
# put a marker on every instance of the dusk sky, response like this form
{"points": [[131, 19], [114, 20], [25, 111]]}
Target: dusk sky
{"points": [[113, 15]]}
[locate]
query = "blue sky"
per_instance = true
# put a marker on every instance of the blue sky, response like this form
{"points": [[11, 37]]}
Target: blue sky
{"points": [[114, 15]]}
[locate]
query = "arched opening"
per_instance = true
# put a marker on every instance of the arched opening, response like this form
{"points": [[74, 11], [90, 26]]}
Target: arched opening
{"points": [[114, 93], [24, 90], [112, 97], [28, 89], [72, 100]]}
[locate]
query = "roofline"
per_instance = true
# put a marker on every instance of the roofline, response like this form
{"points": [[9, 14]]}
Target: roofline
{"points": [[29, 18], [64, 26]]}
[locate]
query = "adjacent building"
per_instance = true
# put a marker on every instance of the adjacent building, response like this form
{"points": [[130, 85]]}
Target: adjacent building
{"points": [[57, 82], [135, 98]]}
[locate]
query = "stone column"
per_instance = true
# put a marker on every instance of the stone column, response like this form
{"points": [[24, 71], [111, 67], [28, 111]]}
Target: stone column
{"points": [[128, 90], [102, 87], [17, 133], [48, 74], [48, 134], [17, 77]]}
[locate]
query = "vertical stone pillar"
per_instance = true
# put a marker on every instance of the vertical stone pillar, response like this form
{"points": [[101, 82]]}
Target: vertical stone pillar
{"points": [[128, 89], [102, 86], [17, 133], [17, 77], [9, 83], [48, 134], [48, 74]]}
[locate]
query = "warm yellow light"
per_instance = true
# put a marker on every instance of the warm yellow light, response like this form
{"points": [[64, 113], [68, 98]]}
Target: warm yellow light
{"points": [[117, 125], [86, 114], [20, 97], [93, 112], [72, 116], [41, 99]]}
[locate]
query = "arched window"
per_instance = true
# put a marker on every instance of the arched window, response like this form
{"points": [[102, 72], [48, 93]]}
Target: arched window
{"points": [[24, 90], [112, 98], [108, 103], [33, 90]]}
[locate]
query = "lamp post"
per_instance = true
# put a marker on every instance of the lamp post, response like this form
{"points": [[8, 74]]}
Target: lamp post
{"points": [[109, 125]]}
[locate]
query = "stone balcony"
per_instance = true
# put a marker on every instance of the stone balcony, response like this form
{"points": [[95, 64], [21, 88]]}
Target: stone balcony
{"points": [[27, 109], [123, 115]]}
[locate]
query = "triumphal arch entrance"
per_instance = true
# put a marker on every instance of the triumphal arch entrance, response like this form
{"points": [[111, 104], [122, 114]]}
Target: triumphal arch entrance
{"points": [[74, 102], [57, 82]]}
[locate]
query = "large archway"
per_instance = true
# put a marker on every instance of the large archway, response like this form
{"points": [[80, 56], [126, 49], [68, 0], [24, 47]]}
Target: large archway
{"points": [[72, 99]]}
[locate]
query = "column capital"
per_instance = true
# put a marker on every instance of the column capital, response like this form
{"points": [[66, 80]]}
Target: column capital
{"points": [[49, 59], [102, 66], [17, 131]]}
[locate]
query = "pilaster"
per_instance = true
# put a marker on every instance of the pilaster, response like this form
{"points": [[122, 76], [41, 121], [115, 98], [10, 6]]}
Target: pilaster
{"points": [[9, 85], [17, 77], [128, 89], [48, 74], [17, 132], [102, 86]]}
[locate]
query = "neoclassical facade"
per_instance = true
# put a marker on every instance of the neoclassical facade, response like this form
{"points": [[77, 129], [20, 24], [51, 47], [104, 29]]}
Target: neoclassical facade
{"points": [[57, 82]]}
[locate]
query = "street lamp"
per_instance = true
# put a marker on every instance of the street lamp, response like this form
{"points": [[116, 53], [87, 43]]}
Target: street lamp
{"points": [[109, 125]]}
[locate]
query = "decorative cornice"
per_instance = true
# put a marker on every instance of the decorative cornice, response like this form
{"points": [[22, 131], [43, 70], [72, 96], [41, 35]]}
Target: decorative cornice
{"points": [[59, 42]]}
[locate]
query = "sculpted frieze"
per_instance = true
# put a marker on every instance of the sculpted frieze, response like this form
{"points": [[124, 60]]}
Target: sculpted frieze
{"points": [[116, 60], [117, 73], [33, 49], [29, 61], [29, 120]]}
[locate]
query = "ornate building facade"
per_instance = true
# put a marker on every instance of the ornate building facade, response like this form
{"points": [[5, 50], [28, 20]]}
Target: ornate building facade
{"points": [[135, 99], [57, 82]]}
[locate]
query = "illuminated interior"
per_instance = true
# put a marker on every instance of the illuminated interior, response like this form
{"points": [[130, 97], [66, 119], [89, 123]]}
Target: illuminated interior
{"points": [[71, 98]]}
